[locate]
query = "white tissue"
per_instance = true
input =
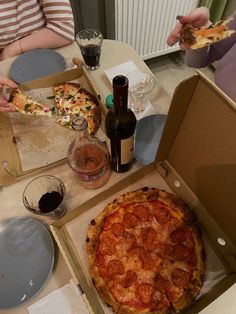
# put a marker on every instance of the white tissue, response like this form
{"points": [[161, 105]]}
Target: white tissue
{"points": [[66, 300]]}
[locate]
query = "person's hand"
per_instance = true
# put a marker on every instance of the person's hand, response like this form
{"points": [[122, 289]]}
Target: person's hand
{"points": [[198, 17], [4, 105]]}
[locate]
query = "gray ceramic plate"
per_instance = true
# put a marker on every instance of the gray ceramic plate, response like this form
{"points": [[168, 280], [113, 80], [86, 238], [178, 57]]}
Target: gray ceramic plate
{"points": [[148, 135], [36, 63], [26, 260]]}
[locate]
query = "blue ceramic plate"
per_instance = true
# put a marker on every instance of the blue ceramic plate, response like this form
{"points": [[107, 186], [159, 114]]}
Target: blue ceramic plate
{"points": [[148, 135], [36, 63], [27, 258]]}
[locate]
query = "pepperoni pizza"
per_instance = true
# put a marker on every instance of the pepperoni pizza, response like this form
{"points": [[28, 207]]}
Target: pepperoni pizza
{"points": [[146, 254]]}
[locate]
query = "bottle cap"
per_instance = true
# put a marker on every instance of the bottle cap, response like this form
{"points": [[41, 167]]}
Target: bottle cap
{"points": [[109, 101]]}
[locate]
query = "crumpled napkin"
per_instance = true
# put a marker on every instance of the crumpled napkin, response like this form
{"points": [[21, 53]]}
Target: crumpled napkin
{"points": [[66, 300]]}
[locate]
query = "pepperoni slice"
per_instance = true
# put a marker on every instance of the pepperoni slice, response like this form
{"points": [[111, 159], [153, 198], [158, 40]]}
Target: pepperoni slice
{"points": [[162, 214], [117, 229], [130, 277], [138, 250], [162, 284], [142, 213], [111, 219], [160, 302], [147, 261], [99, 258], [107, 245], [148, 236], [103, 271], [180, 252], [146, 292], [130, 239], [163, 249], [180, 278], [129, 220], [178, 235], [114, 267]]}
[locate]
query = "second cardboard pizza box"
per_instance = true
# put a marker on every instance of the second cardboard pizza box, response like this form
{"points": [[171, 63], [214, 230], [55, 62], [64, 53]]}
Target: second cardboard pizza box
{"points": [[196, 161], [29, 135]]}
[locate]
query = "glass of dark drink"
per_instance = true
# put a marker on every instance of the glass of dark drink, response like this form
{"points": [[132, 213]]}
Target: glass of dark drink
{"points": [[90, 43], [45, 195]]}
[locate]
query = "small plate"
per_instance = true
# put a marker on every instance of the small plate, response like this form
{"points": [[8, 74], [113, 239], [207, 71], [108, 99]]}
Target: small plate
{"points": [[147, 138], [36, 63], [27, 258]]}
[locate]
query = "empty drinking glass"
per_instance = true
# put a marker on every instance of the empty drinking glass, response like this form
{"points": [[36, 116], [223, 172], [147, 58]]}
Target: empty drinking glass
{"points": [[141, 85]]}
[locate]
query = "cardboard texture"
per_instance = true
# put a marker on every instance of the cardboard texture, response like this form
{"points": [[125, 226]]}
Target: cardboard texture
{"points": [[195, 160], [24, 154]]}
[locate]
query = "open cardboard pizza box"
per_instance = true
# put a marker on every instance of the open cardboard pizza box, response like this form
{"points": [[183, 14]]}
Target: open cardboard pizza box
{"points": [[196, 161], [31, 144]]}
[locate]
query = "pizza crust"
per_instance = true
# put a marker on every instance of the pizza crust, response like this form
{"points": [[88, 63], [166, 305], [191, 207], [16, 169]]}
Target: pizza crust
{"points": [[180, 211]]}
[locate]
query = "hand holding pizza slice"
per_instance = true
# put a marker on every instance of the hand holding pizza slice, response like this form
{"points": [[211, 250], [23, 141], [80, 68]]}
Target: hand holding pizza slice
{"points": [[26, 105], [195, 30], [199, 37]]}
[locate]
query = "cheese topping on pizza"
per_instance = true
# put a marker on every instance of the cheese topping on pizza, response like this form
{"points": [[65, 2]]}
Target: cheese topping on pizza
{"points": [[146, 254]]}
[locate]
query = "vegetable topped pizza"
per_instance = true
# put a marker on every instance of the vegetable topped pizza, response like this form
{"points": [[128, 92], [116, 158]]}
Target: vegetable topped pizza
{"points": [[70, 99]]}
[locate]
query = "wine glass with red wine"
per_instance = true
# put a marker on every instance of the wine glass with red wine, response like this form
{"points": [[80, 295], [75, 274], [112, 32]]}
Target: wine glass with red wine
{"points": [[90, 43], [45, 195]]}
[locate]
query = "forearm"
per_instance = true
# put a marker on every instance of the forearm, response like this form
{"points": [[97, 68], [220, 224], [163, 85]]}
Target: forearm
{"points": [[44, 38]]}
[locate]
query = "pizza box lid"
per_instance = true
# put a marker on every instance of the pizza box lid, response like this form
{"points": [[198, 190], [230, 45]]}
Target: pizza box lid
{"points": [[195, 160], [198, 147]]}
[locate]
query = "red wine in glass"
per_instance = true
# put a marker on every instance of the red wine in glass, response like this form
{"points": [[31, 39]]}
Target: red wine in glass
{"points": [[91, 54]]}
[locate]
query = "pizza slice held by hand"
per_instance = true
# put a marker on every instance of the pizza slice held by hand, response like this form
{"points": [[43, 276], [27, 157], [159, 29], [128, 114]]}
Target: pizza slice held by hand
{"points": [[26, 105], [196, 38]]}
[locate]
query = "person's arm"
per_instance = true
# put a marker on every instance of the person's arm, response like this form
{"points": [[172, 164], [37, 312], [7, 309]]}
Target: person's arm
{"points": [[58, 32], [4, 105]]}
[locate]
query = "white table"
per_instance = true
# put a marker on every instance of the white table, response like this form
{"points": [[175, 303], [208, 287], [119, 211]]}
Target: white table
{"points": [[113, 53]]}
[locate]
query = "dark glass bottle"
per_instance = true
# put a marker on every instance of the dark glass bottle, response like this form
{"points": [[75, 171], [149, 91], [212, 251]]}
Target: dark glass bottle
{"points": [[120, 124]]}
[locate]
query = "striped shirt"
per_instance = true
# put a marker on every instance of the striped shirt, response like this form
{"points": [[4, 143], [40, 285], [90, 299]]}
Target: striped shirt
{"points": [[19, 18]]}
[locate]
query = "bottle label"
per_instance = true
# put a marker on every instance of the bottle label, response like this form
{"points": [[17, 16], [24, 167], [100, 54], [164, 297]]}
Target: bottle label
{"points": [[127, 150]]}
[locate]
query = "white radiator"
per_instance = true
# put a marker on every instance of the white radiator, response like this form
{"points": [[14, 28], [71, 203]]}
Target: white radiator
{"points": [[145, 24]]}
